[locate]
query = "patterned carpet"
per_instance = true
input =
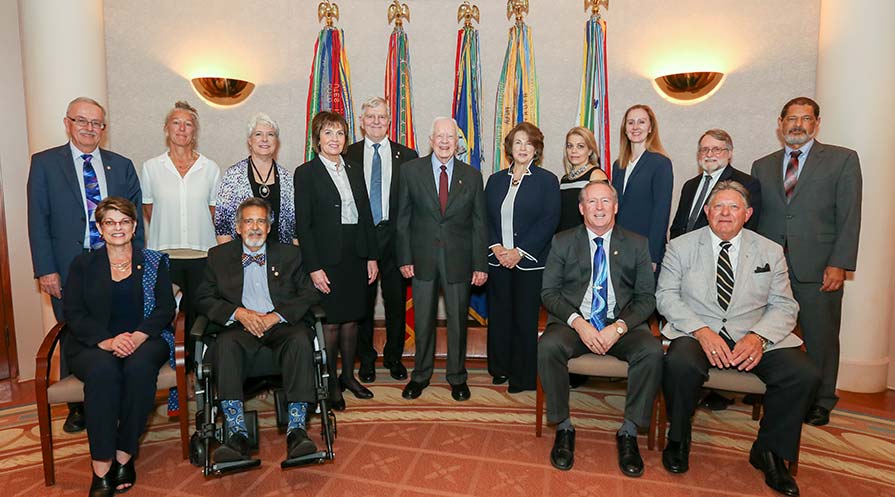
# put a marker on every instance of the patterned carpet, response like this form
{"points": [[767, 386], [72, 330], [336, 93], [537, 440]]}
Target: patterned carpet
{"points": [[486, 446]]}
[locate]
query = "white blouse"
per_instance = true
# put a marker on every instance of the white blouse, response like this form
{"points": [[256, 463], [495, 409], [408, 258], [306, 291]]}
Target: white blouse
{"points": [[340, 178], [180, 215]]}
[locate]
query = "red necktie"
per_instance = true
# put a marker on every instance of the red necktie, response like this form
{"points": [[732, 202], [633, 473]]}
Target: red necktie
{"points": [[790, 179], [443, 189]]}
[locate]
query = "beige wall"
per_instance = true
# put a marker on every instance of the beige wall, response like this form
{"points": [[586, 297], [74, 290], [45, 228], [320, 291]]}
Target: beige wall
{"points": [[14, 160]]}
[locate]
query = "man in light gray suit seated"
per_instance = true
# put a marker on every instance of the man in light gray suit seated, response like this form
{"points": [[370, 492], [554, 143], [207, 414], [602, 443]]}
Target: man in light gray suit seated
{"points": [[599, 290], [725, 293]]}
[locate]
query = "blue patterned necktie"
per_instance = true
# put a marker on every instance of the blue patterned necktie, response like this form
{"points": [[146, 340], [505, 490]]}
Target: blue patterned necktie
{"points": [[91, 191], [376, 185], [247, 259], [599, 281]]}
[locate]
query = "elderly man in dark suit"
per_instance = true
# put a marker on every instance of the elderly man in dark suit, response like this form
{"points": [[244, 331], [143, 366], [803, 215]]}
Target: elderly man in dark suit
{"points": [[259, 292], [812, 207], [65, 184], [382, 160], [442, 244], [598, 288], [725, 293]]}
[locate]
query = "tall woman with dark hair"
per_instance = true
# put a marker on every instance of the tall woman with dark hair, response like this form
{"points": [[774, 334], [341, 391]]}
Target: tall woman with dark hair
{"points": [[523, 211], [335, 231], [644, 179], [118, 301]]}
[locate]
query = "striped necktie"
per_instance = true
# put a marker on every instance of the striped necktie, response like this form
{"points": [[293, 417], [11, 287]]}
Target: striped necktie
{"points": [[93, 197], [790, 178], [724, 276]]}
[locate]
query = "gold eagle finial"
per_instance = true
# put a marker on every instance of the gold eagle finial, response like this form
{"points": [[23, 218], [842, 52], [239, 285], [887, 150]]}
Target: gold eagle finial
{"points": [[397, 12], [329, 11], [518, 8], [467, 13], [594, 6]]}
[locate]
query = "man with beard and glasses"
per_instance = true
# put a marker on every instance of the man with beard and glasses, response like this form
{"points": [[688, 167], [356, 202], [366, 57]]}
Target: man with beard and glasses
{"points": [[65, 184], [811, 205], [259, 293]]}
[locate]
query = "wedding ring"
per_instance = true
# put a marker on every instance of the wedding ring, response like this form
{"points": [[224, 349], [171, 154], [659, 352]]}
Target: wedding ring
{"points": [[714, 352], [751, 358]]}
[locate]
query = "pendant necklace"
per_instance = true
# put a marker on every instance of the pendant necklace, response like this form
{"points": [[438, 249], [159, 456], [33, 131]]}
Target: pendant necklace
{"points": [[263, 190]]}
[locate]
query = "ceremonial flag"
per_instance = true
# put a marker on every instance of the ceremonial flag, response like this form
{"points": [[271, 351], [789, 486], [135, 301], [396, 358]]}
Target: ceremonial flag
{"points": [[399, 89], [517, 90], [467, 111], [330, 83], [593, 106]]}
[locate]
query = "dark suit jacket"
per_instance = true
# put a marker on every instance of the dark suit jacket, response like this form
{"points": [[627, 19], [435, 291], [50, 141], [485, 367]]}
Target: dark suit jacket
{"points": [[535, 214], [290, 287], [400, 155], [318, 215], [87, 298], [821, 224], [56, 219], [422, 229], [568, 274], [694, 185], [644, 207]]}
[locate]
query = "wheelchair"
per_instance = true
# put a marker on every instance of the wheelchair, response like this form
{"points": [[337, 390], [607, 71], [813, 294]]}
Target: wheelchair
{"points": [[262, 376]]}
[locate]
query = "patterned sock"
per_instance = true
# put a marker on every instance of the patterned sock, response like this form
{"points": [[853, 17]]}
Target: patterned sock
{"points": [[234, 417], [298, 415], [628, 428]]}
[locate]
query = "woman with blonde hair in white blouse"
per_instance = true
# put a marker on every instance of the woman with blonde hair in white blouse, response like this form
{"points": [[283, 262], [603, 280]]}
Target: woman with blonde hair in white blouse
{"points": [[179, 192]]}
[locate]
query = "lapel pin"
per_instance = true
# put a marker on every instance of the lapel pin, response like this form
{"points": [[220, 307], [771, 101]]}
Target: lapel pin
{"points": [[276, 273], [615, 252], [139, 267], [108, 168], [460, 181]]}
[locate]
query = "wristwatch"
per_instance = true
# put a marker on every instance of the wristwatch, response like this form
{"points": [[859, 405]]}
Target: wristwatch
{"points": [[620, 329], [764, 341]]}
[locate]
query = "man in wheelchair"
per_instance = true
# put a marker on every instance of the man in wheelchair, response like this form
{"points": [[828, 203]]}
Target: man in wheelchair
{"points": [[259, 292]]}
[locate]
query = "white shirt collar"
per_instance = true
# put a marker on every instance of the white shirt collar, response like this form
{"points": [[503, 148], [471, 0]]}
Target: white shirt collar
{"points": [[369, 143], [734, 242], [605, 236], [330, 164], [76, 152]]}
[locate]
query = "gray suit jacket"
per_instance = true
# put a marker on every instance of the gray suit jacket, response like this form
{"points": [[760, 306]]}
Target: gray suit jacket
{"points": [[821, 224], [762, 300], [568, 274], [422, 229]]}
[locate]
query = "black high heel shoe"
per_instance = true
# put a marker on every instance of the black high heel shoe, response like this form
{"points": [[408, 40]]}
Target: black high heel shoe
{"points": [[356, 388], [124, 474], [102, 486]]}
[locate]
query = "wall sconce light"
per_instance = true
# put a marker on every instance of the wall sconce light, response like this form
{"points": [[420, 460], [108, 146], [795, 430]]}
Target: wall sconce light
{"points": [[689, 87], [223, 91]]}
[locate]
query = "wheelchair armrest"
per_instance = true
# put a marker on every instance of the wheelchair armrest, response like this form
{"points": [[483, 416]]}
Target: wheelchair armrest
{"points": [[199, 325], [318, 312]]}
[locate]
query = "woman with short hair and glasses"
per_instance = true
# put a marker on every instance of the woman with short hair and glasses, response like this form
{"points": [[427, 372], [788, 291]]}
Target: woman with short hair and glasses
{"points": [[117, 303]]}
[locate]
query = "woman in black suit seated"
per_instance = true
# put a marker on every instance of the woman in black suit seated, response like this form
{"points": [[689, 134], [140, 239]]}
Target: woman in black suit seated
{"points": [[334, 224], [643, 177], [582, 164], [523, 210], [117, 302]]}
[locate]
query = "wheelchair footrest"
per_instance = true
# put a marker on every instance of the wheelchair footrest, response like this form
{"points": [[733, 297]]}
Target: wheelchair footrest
{"points": [[318, 457], [229, 467]]}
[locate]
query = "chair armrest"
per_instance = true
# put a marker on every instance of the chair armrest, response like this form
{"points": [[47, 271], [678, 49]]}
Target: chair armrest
{"points": [[199, 325], [179, 340], [318, 312], [43, 358]]}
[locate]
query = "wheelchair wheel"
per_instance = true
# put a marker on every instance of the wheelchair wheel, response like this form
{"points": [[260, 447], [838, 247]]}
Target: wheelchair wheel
{"points": [[197, 451]]}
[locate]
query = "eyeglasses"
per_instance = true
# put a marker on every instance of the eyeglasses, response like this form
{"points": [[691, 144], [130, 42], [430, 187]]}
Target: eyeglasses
{"points": [[124, 223], [83, 123], [712, 150]]}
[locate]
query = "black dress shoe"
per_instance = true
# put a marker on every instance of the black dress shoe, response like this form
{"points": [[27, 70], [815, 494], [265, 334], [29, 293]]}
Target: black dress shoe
{"points": [[102, 486], [356, 388], [562, 456], [123, 474], [413, 390], [337, 405], [299, 444], [74, 422], [776, 474], [396, 370], [629, 460], [460, 392], [236, 449], [714, 401], [499, 380], [817, 416], [367, 373], [676, 456]]}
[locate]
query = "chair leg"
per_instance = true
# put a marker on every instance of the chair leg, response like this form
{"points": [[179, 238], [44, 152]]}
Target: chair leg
{"points": [[44, 422], [662, 424], [756, 408], [651, 434], [184, 413], [539, 408]]}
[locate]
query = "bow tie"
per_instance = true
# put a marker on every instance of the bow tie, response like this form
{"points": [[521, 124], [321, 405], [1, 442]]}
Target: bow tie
{"points": [[249, 259]]}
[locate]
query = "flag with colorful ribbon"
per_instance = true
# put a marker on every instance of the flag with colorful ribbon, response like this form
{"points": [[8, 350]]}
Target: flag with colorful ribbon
{"points": [[517, 90], [330, 83], [467, 111], [593, 106], [399, 89]]}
